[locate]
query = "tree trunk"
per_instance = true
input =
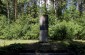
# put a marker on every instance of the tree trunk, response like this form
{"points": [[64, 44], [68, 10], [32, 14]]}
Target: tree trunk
{"points": [[35, 8], [80, 8], [15, 9], [54, 7], [45, 1], [8, 8]]}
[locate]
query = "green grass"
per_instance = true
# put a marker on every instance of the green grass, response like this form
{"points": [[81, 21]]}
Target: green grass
{"points": [[80, 41], [8, 42]]}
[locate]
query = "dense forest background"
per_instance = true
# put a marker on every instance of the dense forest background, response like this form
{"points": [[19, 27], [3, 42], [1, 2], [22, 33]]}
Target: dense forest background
{"points": [[19, 19]]}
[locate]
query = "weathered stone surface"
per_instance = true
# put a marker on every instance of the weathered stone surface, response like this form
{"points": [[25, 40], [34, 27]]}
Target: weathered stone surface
{"points": [[43, 28]]}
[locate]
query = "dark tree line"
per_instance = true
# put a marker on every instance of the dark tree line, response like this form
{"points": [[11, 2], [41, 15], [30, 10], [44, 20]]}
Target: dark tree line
{"points": [[12, 8]]}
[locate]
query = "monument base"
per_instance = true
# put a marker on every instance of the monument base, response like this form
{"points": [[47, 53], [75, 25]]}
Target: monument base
{"points": [[43, 35]]}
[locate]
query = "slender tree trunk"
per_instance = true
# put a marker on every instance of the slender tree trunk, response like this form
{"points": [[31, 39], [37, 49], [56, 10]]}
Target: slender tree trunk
{"points": [[15, 8], [54, 5], [8, 9], [35, 8], [80, 8], [40, 3], [45, 6]]}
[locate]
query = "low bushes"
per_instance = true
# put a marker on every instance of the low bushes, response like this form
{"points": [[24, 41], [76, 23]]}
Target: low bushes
{"points": [[64, 30], [26, 27]]}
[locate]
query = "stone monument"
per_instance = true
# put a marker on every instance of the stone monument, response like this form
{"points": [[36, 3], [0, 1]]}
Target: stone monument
{"points": [[43, 28]]}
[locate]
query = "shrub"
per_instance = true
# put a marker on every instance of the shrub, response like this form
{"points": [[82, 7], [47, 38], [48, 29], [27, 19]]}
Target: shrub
{"points": [[3, 25], [25, 27], [33, 33], [64, 30]]}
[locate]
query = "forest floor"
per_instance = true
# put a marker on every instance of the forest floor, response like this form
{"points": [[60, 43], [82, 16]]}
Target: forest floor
{"points": [[9, 47]]}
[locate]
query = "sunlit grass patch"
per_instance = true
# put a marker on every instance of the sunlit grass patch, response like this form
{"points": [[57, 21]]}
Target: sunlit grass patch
{"points": [[8, 42], [80, 41]]}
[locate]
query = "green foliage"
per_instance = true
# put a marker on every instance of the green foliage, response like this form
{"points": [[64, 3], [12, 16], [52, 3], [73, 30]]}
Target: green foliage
{"points": [[25, 27], [64, 30], [80, 21], [33, 33], [52, 19], [64, 23], [70, 14], [3, 24]]}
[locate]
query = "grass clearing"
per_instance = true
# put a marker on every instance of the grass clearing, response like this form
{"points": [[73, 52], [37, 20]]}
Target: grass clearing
{"points": [[8, 42], [83, 41]]}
